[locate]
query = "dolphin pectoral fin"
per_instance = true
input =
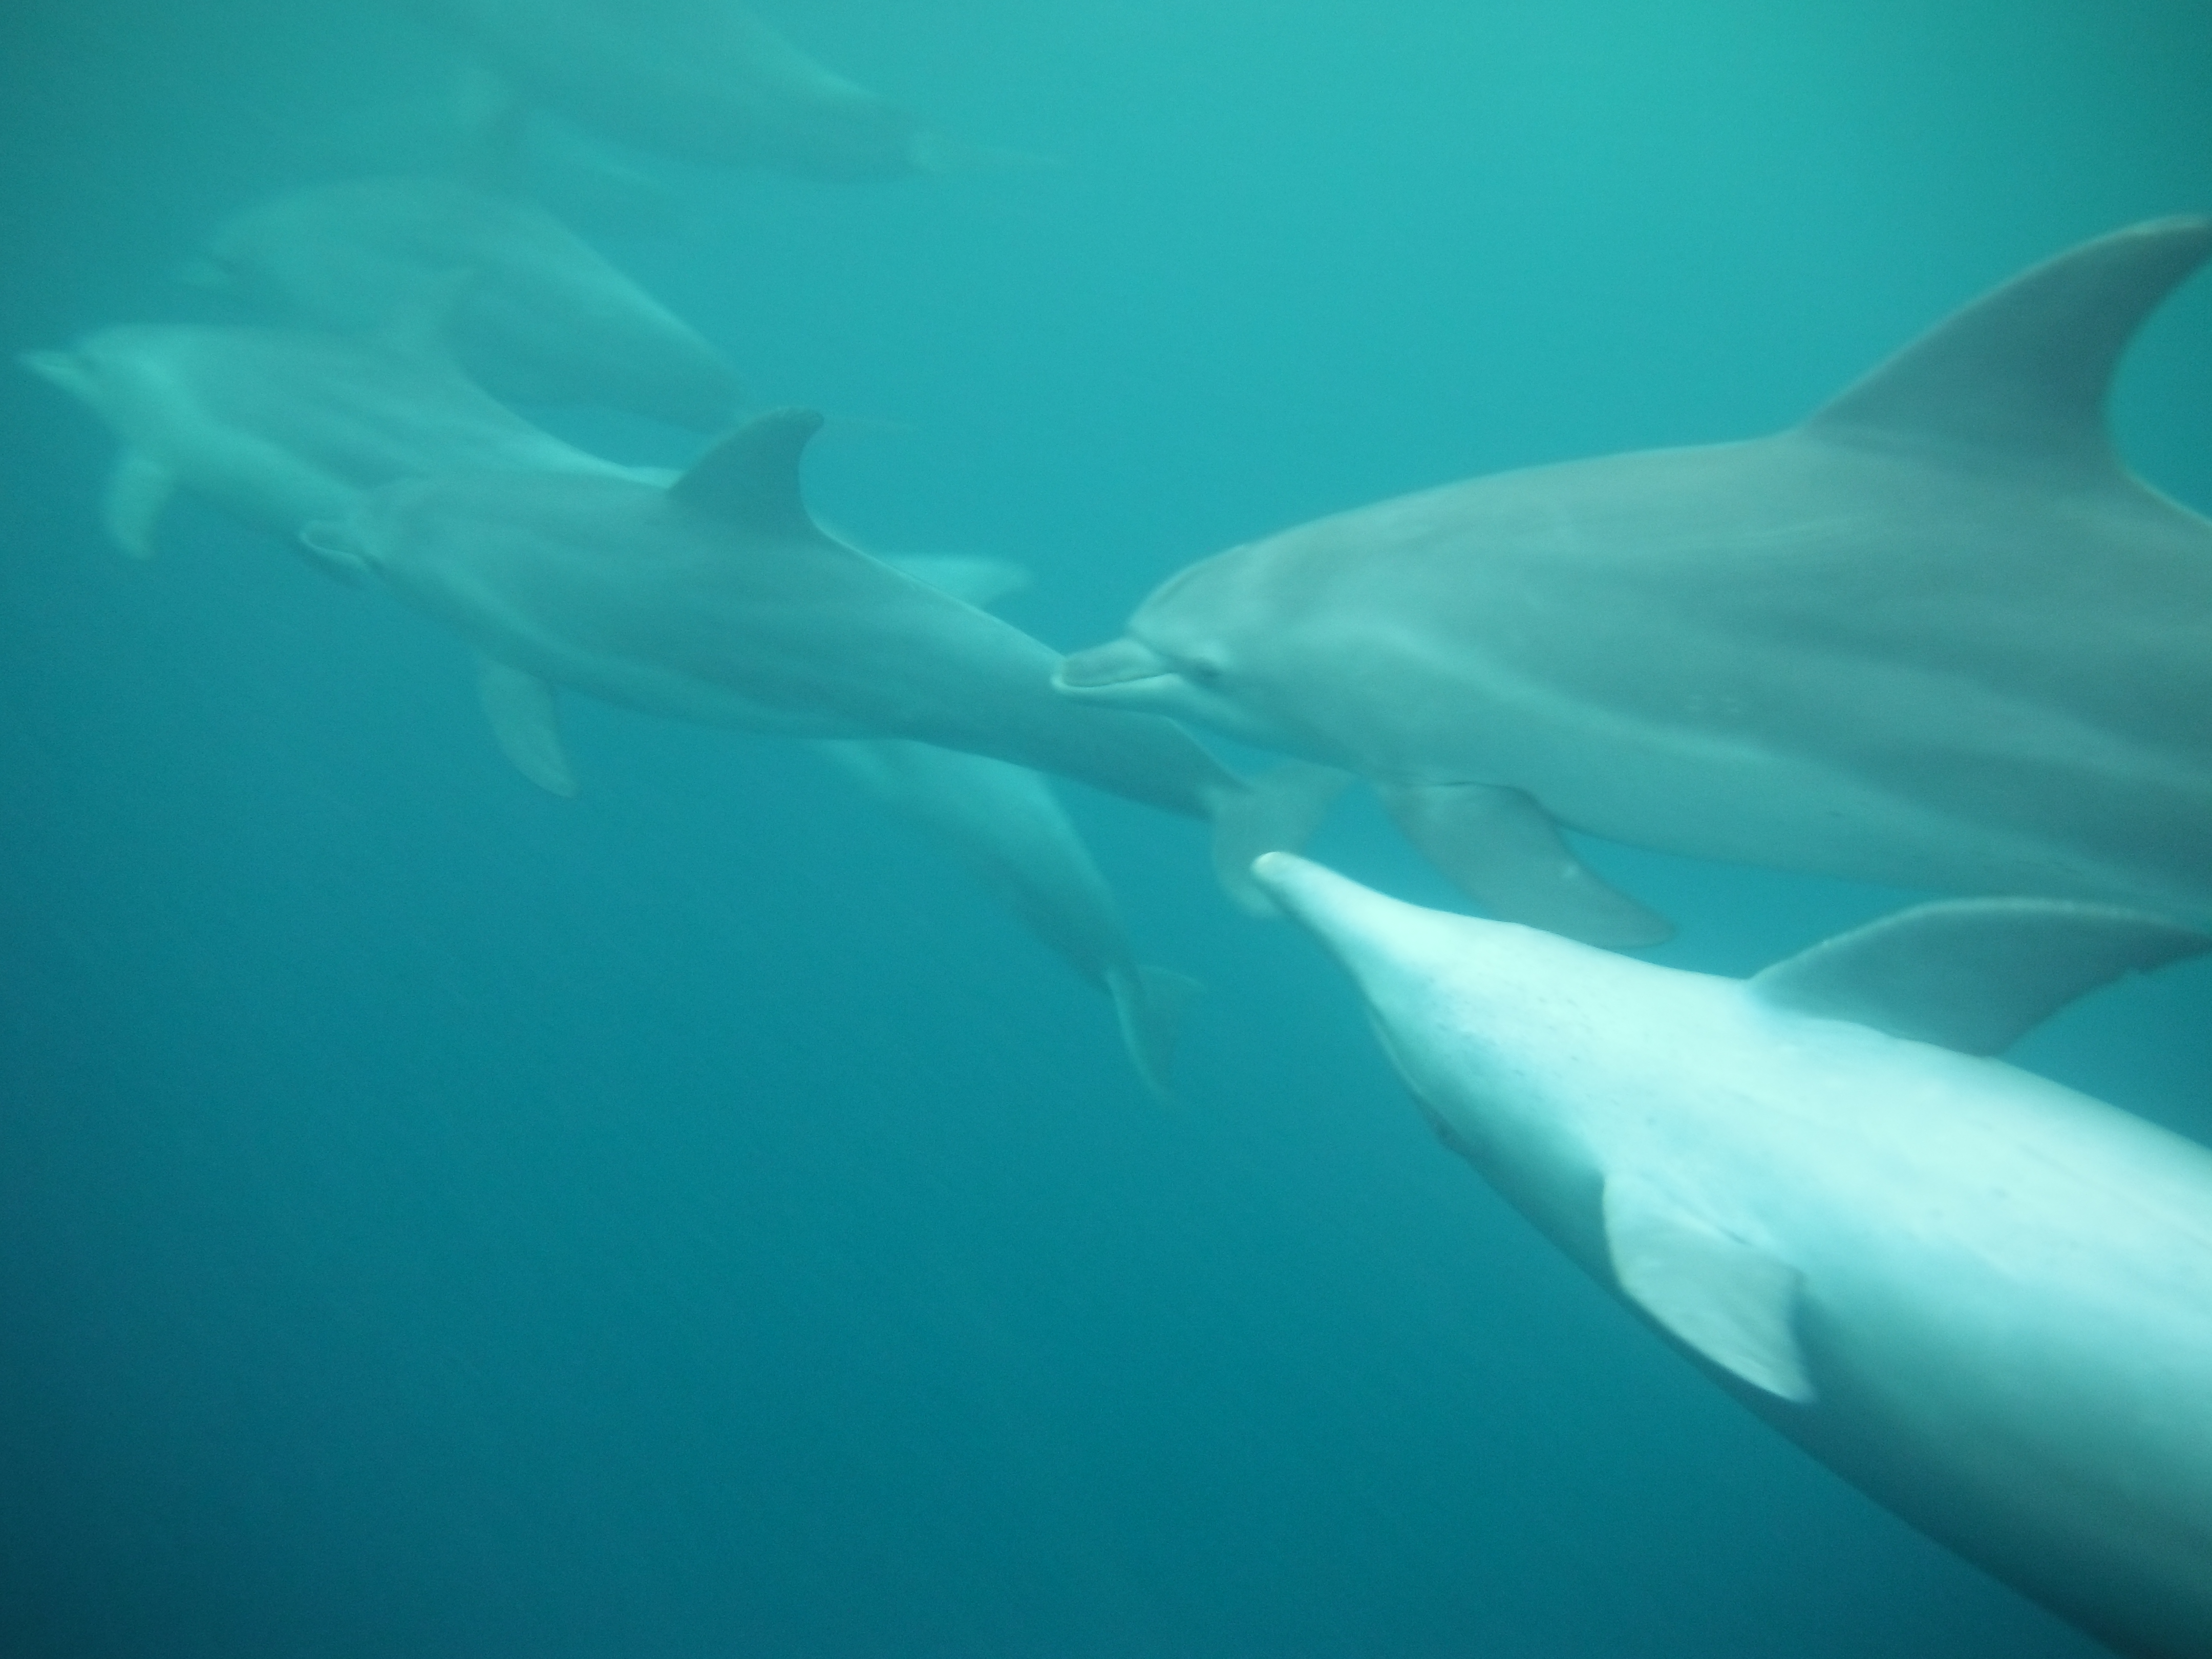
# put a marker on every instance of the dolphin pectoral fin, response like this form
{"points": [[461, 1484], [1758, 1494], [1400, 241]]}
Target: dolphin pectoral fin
{"points": [[1274, 813], [137, 489], [1501, 849], [1150, 1003], [1973, 975], [980, 582], [1732, 1302], [525, 718]]}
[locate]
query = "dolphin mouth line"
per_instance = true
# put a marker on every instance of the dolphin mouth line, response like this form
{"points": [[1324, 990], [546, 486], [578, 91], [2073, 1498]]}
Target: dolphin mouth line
{"points": [[1111, 667]]}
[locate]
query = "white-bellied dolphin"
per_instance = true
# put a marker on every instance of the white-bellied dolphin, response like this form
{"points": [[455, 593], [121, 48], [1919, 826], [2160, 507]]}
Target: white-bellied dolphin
{"points": [[543, 318], [706, 79], [1984, 1299], [1004, 825], [1937, 636], [282, 427], [719, 600]]}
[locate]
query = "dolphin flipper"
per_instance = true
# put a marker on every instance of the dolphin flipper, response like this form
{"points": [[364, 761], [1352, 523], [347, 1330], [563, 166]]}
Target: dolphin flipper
{"points": [[1501, 849], [137, 489], [1973, 975], [1150, 1003], [1734, 1302], [525, 718]]}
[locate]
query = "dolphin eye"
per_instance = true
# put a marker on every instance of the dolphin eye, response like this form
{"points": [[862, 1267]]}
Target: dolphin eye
{"points": [[1199, 671]]}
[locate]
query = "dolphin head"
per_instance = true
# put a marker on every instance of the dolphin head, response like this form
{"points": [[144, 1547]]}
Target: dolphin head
{"points": [[1196, 651], [1481, 1018], [106, 369]]}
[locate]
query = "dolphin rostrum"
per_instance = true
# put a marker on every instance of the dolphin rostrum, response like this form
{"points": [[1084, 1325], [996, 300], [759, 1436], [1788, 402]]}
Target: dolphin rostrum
{"points": [[719, 600], [543, 318], [705, 80], [1982, 1299], [1004, 825], [1936, 636], [282, 426]]}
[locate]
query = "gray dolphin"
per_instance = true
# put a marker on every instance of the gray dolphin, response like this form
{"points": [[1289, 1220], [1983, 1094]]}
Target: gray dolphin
{"points": [[719, 600], [1004, 825], [706, 79], [543, 318], [1983, 1299], [282, 426], [1937, 636]]}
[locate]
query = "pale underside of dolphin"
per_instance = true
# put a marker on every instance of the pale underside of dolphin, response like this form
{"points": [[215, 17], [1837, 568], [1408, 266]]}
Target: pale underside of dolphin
{"points": [[1004, 825], [281, 427], [718, 600], [1984, 1299], [542, 317], [1937, 636]]}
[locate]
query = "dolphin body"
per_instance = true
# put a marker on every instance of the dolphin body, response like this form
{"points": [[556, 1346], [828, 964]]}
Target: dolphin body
{"points": [[543, 318], [718, 600], [1936, 636], [1982, 1299], [282, 427], [704, 80], [1004, 825]]}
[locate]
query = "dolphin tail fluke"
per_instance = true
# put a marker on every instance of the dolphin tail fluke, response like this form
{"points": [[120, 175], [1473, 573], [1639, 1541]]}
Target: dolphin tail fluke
{"points": [[1277, 811], [137, 490], [525, 719], [1501, 849], [1150, 1003]]}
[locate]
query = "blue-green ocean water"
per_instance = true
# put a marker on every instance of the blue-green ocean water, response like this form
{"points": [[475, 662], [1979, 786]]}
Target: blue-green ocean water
{"points": [[439, 1220]]}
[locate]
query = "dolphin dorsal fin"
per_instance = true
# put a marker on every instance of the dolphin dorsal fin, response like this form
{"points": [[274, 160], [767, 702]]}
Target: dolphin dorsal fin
{"points": [[750, 479], [2021, 374], [1973, 975]]}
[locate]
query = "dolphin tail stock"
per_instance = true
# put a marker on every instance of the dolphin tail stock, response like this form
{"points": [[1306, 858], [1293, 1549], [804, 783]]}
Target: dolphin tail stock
{"points": [[1276, 811], [1501, 849], [1150, 1003]]}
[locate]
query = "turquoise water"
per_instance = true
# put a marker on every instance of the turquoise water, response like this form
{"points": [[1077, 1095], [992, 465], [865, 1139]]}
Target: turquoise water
{"points": [[438, 1219]]}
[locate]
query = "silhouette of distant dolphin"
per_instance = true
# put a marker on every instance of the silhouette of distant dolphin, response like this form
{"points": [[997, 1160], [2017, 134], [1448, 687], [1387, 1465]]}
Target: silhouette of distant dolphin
{"points": [[1937, 636], [719, 600]]}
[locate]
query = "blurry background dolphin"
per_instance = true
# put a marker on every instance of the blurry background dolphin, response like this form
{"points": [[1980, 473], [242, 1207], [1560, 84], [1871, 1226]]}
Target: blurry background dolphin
{"points": [[1937, 636], [718, 600], [543, 317], [283, 426], [1983, 1299], [705, 80]]}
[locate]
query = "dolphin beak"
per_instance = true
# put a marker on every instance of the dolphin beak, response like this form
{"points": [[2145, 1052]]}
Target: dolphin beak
{"points": [[1107, 669], [1372, 937], [61, 367]]}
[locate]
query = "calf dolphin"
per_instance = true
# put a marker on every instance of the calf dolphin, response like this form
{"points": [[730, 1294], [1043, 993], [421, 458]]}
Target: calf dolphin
{"points": [[1936, 636], [1984, 1299], [706, 79], [543, 318], [282, 427], [719, 600]]}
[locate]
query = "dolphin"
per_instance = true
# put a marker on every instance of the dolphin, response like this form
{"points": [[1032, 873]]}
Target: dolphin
{"points": [[1982, 1299], [1936, 636], [1004, 825], [543, 318], [281, 427], [704, 80], [718, 600]]}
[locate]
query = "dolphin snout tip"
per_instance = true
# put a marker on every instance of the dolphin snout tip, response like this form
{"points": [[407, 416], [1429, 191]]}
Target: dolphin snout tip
{"points": [[1122, 662]]}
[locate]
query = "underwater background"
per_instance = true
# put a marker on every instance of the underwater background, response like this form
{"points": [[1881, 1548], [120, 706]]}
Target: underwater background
{"points": [[438, 1219]]}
